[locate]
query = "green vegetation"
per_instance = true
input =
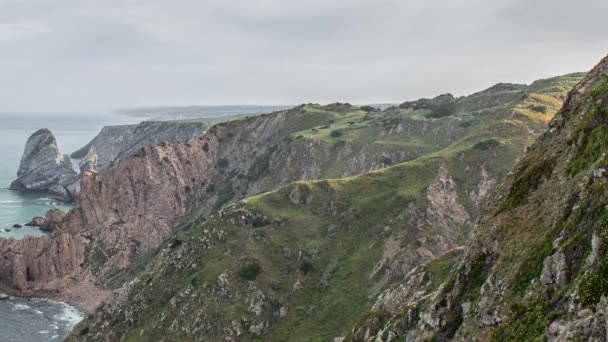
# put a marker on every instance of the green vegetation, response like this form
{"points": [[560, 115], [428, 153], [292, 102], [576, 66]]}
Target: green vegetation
{"points": [[250, 271], [527, 323], [527, 178], [319, 251], [592, 133]]}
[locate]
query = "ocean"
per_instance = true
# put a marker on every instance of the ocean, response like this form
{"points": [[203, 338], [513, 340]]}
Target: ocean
{"points": [[72, 132], [33, 320]]}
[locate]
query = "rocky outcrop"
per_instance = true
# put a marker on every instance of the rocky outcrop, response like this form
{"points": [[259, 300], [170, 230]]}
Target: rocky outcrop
{"points": [[52, 220], [44, 169], [125, 212], [114, 143], [536, 267]]}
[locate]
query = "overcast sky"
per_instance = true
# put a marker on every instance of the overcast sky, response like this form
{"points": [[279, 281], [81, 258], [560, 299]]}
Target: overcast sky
{"points": [[83, 55]]}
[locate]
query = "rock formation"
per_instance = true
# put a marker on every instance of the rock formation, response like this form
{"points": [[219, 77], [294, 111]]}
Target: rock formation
{"points": [[537, 267], [399, 215], [44, 169], [114, 143], [262, 266]]}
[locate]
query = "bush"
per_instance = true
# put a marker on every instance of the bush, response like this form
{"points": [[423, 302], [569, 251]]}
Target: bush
{"points": [[486, 144], [250, 272], [260, 221], [539, 109], [306, 267], [336, 133], [368, 109]]}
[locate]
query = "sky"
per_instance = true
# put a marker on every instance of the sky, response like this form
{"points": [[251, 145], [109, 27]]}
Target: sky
{"points": [[98, 55]]}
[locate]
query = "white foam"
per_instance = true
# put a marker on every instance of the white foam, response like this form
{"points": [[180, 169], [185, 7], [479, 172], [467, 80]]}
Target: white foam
{"points": [[21, 307], [69, 315], [43, 332]]}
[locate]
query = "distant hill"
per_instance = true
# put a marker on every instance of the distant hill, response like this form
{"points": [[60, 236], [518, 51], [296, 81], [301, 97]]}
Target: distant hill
{"points": [[196, 112]]}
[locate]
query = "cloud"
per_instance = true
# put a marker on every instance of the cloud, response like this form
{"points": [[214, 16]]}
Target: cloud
{"points": [[21, 30], [94, 54]]}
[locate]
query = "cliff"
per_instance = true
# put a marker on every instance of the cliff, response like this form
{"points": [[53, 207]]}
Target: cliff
{"points": [[114, 143], [536, 267], [304, 260], [44, 169]]}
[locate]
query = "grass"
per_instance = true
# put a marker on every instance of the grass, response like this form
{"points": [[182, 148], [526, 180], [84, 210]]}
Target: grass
{"points": [[278, 239]]}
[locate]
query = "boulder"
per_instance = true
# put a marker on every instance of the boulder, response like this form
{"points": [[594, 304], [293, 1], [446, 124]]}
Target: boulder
{"points": [[4, 296], [39, 222], [43, 168], [53, 219], [17, 226]]}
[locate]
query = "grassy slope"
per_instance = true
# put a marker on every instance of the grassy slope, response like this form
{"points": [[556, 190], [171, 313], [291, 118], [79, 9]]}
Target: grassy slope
{"points": [[340, 226], [553, 204]]}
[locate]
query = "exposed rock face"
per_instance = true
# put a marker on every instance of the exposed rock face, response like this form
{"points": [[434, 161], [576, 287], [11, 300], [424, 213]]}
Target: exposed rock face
{"points": [[44, 169], [537, 266], [129, 209], [114, 143]]}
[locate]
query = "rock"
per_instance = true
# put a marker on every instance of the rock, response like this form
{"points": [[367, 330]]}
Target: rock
{"points": [[4, 296], [39, 222], [17, 226], [43, 168], [89, 163], [115, 143], [54, 218], [554, 270], [257, 329]]}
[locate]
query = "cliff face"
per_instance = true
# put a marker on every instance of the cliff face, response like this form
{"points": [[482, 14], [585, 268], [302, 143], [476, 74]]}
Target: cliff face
{"points": [[44, 169], [536, 267], [114, 143], [303, 261]]}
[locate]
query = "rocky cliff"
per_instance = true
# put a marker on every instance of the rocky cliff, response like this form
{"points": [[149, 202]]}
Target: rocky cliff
{"points": [[114, 143], [306, 259], [44, 169], [536, 268]]}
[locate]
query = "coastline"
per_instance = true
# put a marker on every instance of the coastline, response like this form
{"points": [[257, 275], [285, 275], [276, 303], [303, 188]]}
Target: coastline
{"points": [[84, 297]]}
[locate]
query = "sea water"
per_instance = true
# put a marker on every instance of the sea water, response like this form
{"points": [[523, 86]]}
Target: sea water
{"points": [[72, 131], [36, 320]]}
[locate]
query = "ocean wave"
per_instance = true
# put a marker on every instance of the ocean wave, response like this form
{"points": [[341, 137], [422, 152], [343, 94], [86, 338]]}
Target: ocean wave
{"points": [[11, 201], [69, 315], [21, 307]]}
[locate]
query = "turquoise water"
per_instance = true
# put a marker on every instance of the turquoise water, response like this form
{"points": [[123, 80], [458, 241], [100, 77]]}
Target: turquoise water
{"points": [[72, 132]]}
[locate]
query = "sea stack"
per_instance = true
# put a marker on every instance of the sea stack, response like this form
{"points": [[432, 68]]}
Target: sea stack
{"points": [[44, 169]]}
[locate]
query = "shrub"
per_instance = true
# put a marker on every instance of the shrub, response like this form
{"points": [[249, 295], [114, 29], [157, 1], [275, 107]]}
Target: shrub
{"points": [[260, 221], [250, 272], [540, 109], [306, 267], [486, 144], [368, 109], [336, 133]]}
